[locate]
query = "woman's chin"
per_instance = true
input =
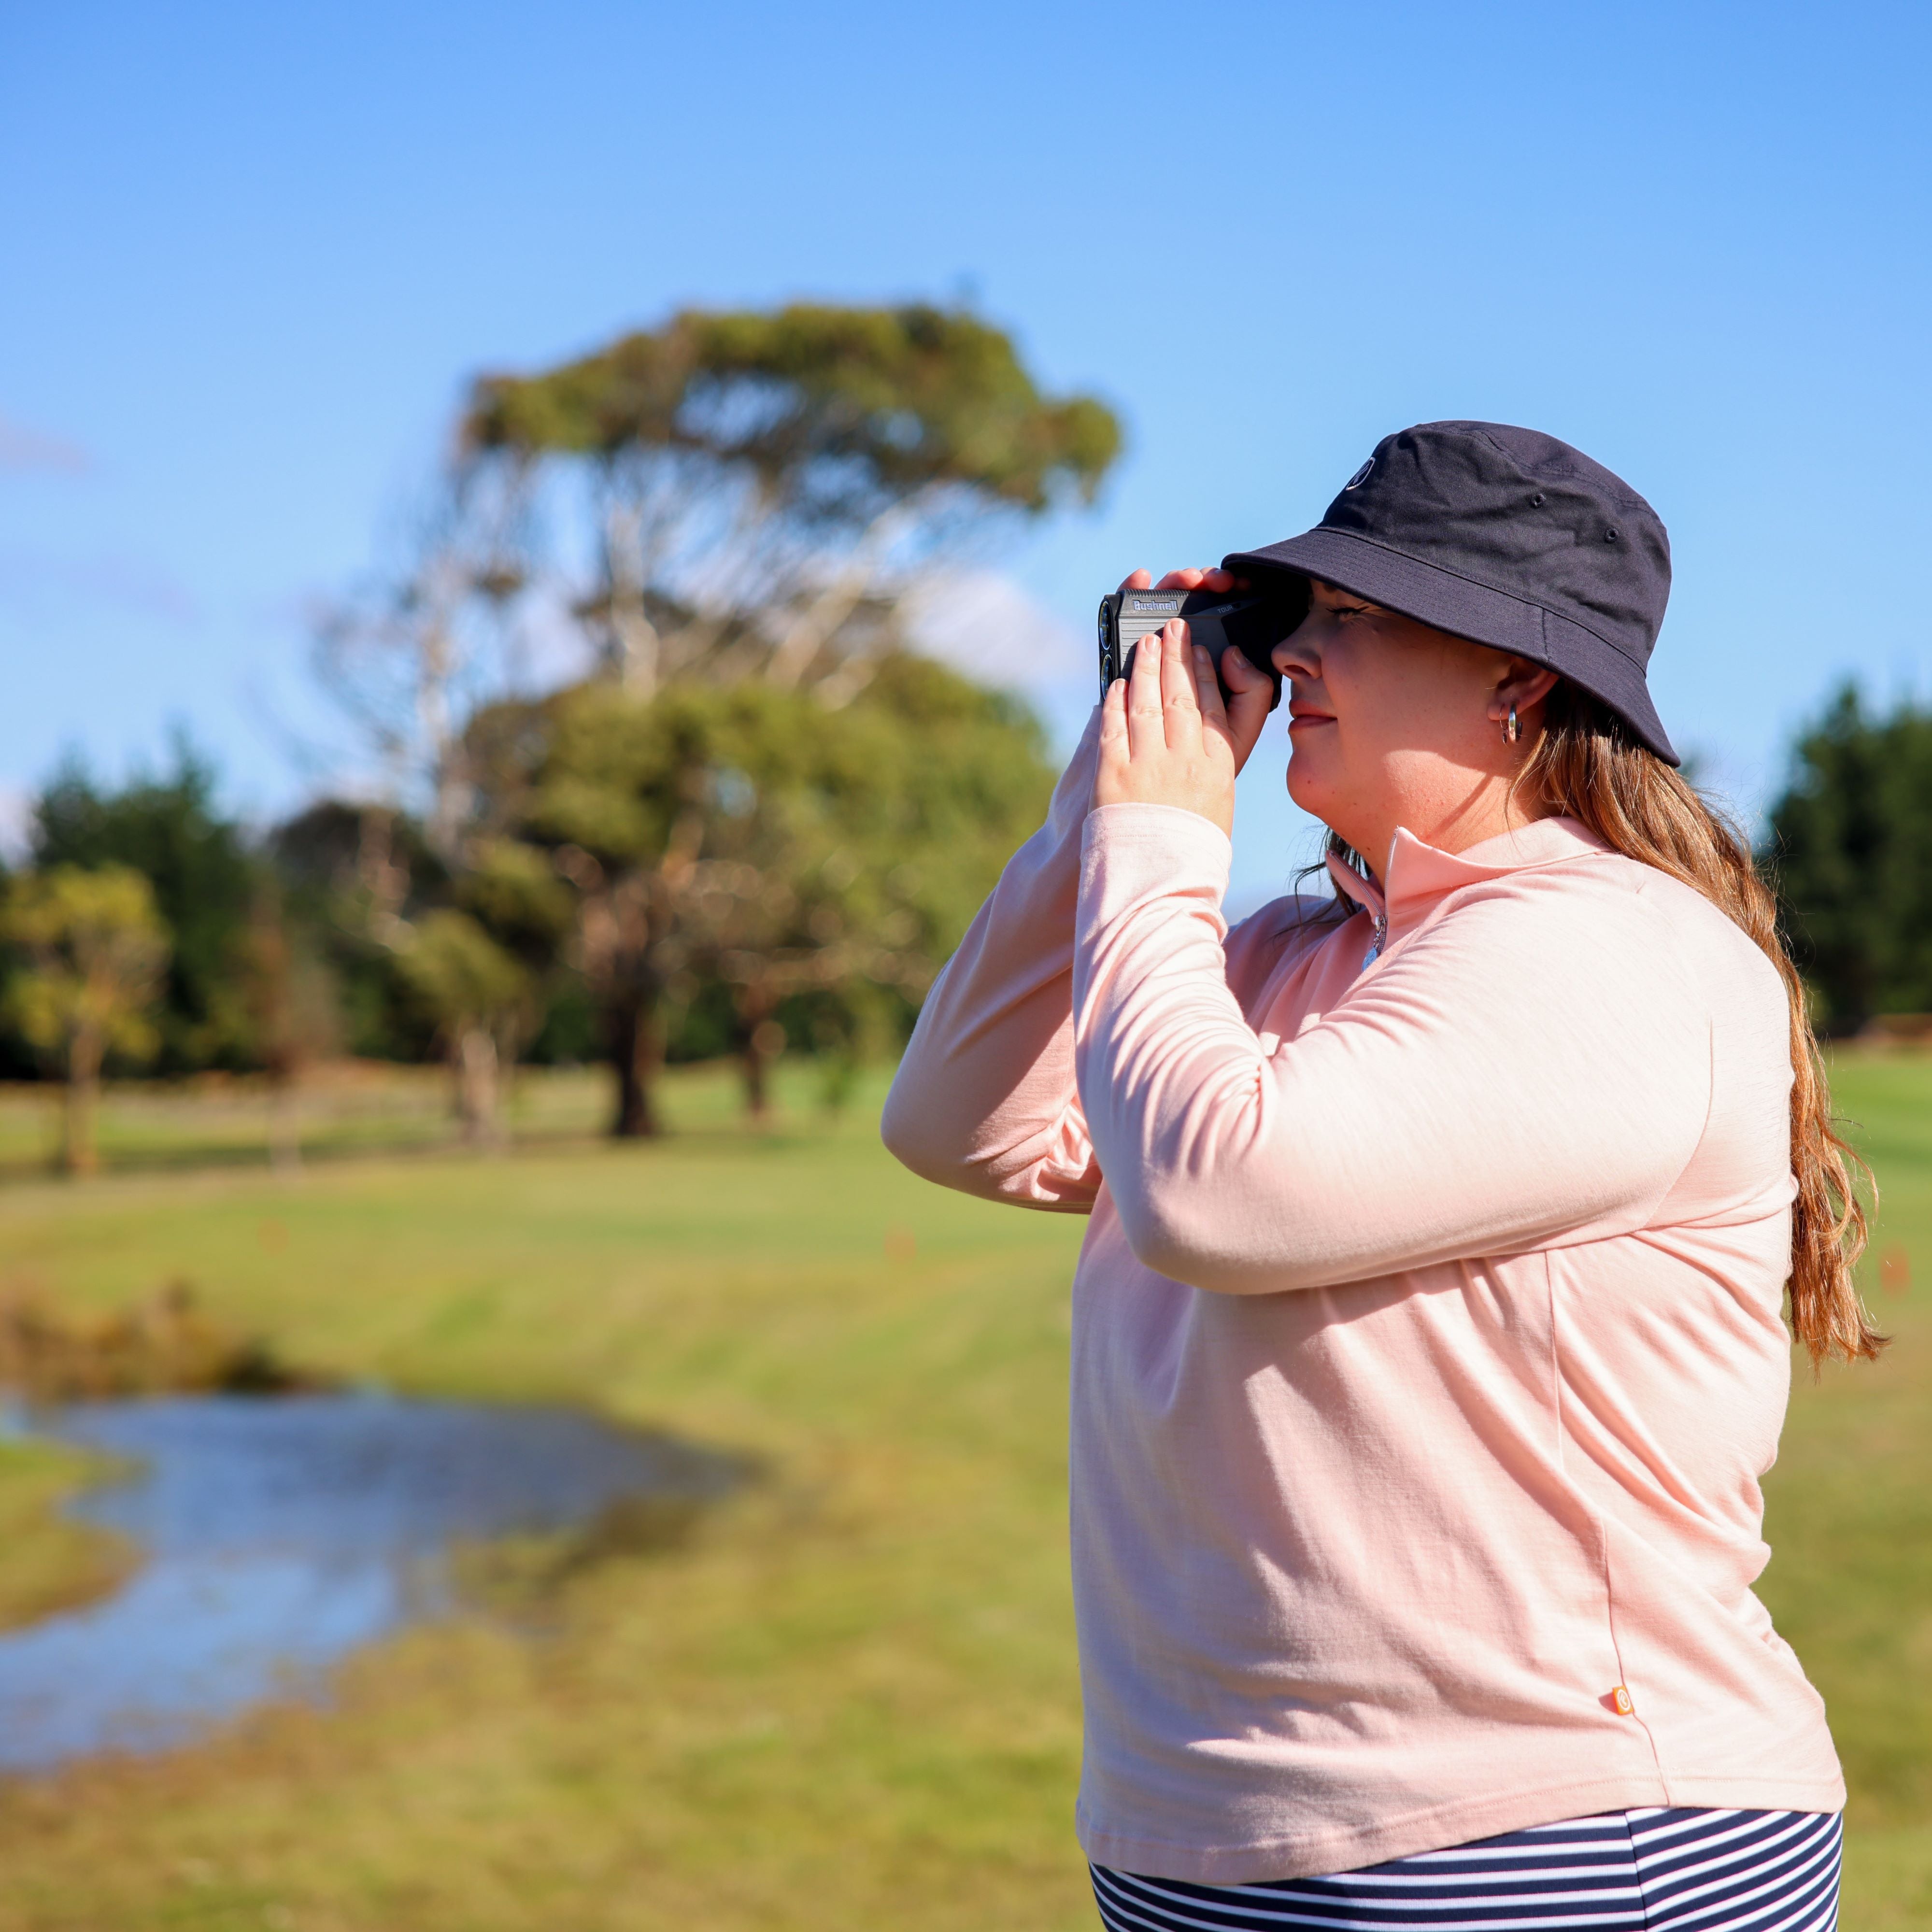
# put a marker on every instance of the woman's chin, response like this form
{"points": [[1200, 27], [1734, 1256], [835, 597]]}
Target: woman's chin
{"points": [[1305, 785]]}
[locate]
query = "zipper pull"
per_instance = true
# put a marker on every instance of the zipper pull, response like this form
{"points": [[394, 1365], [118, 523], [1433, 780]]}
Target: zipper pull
{"points": [[1375, 944]]}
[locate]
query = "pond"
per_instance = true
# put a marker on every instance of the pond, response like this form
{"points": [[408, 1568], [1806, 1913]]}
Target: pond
{"points": [[281, 1533]]}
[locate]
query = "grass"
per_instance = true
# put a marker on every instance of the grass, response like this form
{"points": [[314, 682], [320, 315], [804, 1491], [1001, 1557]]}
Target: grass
{"points": [[51, 1564], [1848, 1515], [349, 1109], [850, 1699]]}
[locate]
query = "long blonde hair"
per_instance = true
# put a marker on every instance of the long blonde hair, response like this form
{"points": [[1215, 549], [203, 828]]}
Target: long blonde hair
{"points": [[1586, 765]]}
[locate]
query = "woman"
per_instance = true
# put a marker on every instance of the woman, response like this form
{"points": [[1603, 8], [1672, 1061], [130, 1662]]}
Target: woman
{"points": [[1427, 1347]]}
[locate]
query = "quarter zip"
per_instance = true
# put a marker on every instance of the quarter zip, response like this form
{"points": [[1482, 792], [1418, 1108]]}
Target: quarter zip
{"points": [[1368, 895], [1378, 911], [1374, 952]]}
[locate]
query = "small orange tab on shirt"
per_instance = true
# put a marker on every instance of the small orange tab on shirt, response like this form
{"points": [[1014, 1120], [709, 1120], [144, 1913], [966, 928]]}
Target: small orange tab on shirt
{"points": [[1621, 1702]]}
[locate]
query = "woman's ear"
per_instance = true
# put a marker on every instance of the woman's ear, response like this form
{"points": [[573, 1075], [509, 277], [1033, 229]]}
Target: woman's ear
{"points": [[1522, 684]]}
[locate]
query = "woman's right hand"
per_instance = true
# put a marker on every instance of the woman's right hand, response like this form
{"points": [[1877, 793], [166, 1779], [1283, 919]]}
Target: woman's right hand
{"points": [[1250, 692]]}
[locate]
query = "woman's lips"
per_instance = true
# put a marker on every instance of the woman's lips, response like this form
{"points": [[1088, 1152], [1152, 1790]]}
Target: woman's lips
{"points": [[1299, 721]]}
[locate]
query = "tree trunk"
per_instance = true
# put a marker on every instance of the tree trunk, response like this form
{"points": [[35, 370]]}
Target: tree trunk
{"points": [[764, 1041], [810, 631], [474, 1063], [79, 1155], [382, 875], [634, 648], [637, 1051], [757, 1089]]}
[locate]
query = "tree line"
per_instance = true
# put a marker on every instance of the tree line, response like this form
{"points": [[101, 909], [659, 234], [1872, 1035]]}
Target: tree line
{"points": [[713, 871], [716, 869], [762, 819]]}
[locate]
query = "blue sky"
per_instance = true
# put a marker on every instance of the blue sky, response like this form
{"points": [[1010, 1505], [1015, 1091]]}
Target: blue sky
{"points": [[251, 254]]}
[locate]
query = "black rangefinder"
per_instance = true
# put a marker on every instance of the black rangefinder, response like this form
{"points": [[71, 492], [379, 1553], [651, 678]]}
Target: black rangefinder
{"points": [[1252, 622]]}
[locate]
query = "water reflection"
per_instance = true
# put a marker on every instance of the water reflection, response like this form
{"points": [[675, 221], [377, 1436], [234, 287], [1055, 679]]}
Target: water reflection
{"points": [[282, 1534]]}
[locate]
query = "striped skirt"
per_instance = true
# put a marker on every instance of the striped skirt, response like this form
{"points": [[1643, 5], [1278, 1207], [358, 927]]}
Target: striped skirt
{"points": [[1625, 1871]]}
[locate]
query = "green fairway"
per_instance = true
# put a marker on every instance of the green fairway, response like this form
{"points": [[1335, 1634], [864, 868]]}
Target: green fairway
{"points": [[1850, 1519], [848, 1700]]}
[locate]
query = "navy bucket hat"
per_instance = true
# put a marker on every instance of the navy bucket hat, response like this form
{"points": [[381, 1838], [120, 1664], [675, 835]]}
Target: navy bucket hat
{"points": [[1506, 537]]}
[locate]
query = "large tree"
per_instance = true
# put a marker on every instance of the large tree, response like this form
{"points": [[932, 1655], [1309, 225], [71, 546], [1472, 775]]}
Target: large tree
{"points": [[758, 479], [761, 491], [1850, 844], [749, 838]]}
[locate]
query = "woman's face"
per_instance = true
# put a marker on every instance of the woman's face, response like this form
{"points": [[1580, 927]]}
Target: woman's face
{"points": [[1392, 722]]}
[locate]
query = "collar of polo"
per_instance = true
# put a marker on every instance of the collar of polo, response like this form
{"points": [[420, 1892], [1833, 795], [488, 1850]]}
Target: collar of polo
{"points": [[1418, 877]]}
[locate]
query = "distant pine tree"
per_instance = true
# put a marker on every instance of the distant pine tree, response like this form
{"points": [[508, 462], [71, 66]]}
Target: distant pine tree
{"points": [[1850, 846], [169, 829]]}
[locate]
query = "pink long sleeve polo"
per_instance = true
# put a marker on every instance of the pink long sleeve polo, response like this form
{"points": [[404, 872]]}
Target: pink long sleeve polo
{"points": [[1427, 1340]]}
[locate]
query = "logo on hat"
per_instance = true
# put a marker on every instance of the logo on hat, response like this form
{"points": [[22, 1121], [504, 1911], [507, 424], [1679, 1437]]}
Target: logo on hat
{"points": [[1360, 476]]}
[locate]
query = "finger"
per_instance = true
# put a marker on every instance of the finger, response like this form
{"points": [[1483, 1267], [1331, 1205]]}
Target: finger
{"points": [[1207, 692], [1181, 712], [1138, 579], [1110, 753], [1114, 723], [1197, 577], [1145, 731]]}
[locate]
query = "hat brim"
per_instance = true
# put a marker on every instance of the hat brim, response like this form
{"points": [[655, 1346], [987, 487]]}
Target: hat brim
{"points": [[1467, 609]]}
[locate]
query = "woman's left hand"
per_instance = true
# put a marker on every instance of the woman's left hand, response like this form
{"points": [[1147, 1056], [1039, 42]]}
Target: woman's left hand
{"points": [[1165, 738]]}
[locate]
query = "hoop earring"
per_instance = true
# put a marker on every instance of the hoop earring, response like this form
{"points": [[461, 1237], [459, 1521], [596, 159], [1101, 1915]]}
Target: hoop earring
{"points": [[1512, 731]]}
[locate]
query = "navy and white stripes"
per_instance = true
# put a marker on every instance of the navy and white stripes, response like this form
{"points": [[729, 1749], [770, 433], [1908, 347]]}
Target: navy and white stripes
{"points": [[1625, 1871]]}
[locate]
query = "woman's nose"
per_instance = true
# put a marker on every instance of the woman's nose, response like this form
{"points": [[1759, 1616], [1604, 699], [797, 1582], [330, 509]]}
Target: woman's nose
{"points": [[1295, 655]]}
